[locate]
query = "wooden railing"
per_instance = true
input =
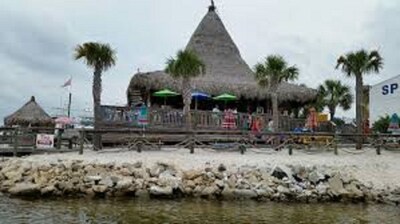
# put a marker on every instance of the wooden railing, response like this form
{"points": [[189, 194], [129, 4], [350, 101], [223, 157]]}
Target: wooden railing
{"points": [[118, 116]]}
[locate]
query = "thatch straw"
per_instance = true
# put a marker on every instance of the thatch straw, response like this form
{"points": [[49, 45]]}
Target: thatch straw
{"points": [[29, 114], [226, 71]]}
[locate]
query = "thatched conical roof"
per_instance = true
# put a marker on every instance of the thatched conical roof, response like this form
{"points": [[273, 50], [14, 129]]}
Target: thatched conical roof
{"points": [[226, 71], [29, 114]]}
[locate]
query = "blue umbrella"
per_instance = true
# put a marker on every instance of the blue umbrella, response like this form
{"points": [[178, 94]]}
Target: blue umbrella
{"points": [[199, 96]]}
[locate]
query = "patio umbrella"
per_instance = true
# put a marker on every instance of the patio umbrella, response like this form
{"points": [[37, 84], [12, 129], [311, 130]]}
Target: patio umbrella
{"points": [[199, 96], [165, 93], [225, 97]]}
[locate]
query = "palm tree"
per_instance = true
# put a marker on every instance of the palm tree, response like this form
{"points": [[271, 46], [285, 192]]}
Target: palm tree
{"points": [[186, 66], [100, 57], [357, 64], [333, 94], [270, 74]]}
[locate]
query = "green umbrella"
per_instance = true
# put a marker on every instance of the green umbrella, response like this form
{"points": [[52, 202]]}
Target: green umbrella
{"points": [[165, 93], [225, 97]]}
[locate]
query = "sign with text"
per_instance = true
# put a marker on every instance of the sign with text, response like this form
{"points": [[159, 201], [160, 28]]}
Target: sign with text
{"points": [[44, 141]]}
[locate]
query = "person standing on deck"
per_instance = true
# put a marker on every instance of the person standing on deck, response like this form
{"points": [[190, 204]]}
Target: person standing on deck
{"points": [[216, 114]]}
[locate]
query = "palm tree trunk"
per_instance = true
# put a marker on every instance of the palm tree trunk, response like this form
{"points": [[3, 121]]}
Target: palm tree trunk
{"points": [[332, 111], [96, 91], [187, 100], [359, 101], [275, 111]]}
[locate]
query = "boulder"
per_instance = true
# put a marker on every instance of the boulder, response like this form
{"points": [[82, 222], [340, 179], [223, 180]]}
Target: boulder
{"points": [[192, 174], [315, 177], [353, 191], [245, 193], [160, 191], [321, 188], [49, 190], [99, 188], [219, 183], [124, 183], [279, 173], [227, 193], [336, 185], [96, 179], [221, 168], [167, 179], [25, 189], [209, 191], [283, 190]]}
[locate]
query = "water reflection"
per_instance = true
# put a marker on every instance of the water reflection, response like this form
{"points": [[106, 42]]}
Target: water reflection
{"points": [[188, 211]]}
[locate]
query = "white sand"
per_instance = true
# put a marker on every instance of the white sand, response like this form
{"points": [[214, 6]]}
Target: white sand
{"points": [[380, 171]]}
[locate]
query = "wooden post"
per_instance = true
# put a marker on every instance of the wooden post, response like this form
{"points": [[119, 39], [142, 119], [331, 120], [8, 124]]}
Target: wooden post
{"points": [[242, 148], [59, 135], [290, 149], [81, 141], [378, 148], [15, 135], [335, 147]]}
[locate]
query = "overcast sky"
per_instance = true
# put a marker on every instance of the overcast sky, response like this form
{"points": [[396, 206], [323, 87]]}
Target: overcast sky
{"points": [[38, 37]]}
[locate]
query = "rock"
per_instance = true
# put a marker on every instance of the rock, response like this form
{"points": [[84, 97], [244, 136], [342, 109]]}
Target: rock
{"points": [[14, 176], [220, 183], [96, 179], [279, 173], [25, 189], [283, 190], [155, 171], [160, 191], [190, 184], [321, 189], [336, 185], [142, 194], [166, 179], [198, 189], [221, 168], [353, 191], [99, 189], [139, 173], [138, 164], [125, 172], [109, 181], [191, 174], [315, 177], [47, 190], [209, 191], [245, 193], [124, 183], [262, 193], [227, 193]]}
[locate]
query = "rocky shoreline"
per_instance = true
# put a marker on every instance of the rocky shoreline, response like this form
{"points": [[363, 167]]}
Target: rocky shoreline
{"points": [[76, 178]]}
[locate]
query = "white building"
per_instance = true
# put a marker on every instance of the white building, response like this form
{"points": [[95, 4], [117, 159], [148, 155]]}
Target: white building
{"points": [[384, 99]]}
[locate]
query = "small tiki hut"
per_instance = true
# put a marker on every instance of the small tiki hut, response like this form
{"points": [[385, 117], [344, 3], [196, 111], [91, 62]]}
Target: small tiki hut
{"points": [[226, 72], [31, 114]]}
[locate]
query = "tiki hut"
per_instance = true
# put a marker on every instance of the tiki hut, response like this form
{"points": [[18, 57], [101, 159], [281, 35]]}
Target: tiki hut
{"points": [[226, 71], [31, 114]]}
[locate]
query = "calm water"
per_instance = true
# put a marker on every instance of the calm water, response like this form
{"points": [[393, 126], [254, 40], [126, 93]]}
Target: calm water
{"points": [[188, 211]]}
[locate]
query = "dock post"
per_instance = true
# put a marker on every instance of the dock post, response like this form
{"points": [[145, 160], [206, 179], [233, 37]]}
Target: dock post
{"points": [[81, 141], [335, 145], [16, 143]]}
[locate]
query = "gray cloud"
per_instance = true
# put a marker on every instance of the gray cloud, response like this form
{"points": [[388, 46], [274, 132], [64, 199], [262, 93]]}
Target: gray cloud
{"points": [[38, 38]]}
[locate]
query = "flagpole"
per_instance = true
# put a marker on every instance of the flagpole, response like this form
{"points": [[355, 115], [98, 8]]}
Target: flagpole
{"points": [[70, 98]]}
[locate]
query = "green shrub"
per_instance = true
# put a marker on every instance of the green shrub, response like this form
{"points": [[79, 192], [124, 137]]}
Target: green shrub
{"points": [[381, 125]]}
